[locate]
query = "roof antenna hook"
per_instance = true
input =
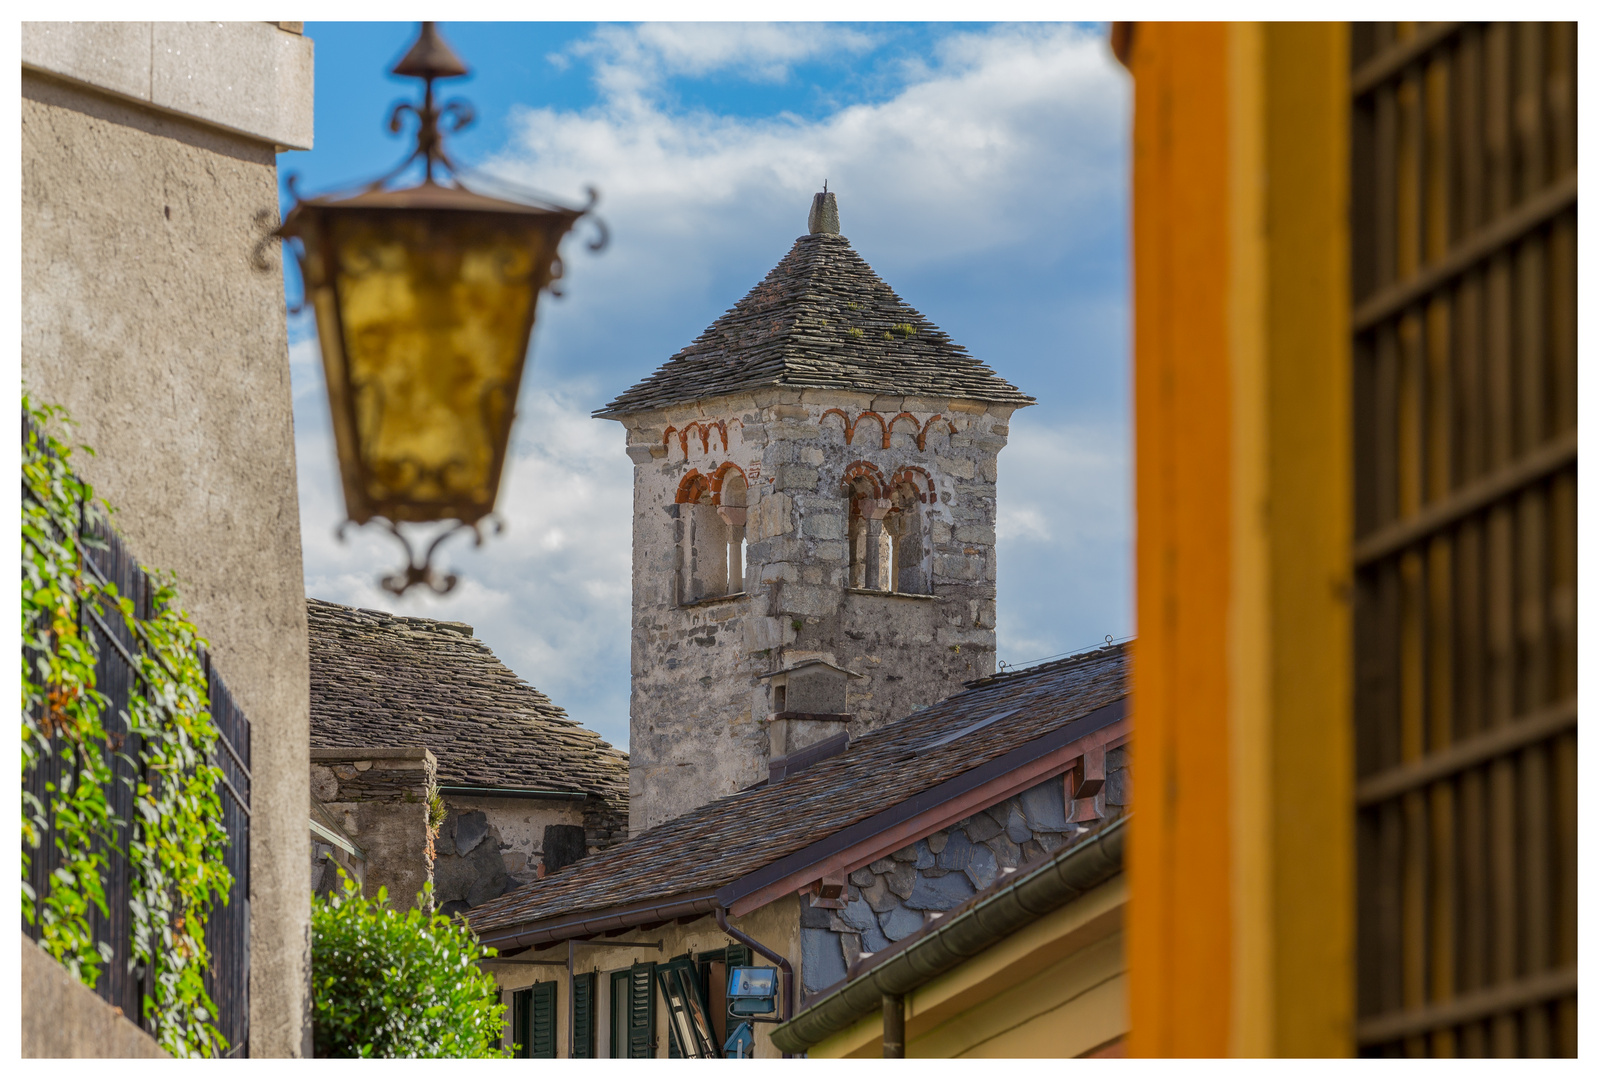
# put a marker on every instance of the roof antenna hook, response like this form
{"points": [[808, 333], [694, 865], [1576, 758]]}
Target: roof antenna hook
{"points": [[824, 187]]}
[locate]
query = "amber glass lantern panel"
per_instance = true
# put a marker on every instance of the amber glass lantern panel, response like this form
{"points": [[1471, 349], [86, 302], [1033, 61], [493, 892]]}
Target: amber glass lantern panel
{"points": [[424, 343]]}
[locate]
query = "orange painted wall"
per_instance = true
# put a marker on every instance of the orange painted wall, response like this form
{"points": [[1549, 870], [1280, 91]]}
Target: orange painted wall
{"points": [[1180, 945]]}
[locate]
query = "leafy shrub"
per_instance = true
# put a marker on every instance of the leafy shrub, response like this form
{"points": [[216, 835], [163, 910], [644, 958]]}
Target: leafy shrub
{"points": [[390, 984]]}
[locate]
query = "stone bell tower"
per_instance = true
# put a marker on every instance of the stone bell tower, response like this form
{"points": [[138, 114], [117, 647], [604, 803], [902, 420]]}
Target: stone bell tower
{"points": [[813, 527]]}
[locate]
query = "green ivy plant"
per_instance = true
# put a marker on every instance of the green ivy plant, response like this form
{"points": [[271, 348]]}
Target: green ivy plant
{"points": [[390, 984], [178, 840], [59, 700]]}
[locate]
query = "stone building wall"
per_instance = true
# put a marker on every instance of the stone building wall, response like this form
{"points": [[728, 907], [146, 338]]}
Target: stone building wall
{"points": [[148, 179], [700, 706], [896, 896], [379, 798]]}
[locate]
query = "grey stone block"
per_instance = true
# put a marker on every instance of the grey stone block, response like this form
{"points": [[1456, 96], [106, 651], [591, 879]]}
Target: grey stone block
{"points": [[981, 827], [1008, 853], [852, 949], [900, 923], [957, 853], [862, 877], [881, 866], [1052, 841], [940, 894], [470, 829], [877, 896], [444, 843], [1032, 850], [936, 842], [925, 859], [983, 867], [1118, 787], [873, 940], [1044, 806], [821, 959], [1016, 826], [905, 854], [856, 915], [901, 880]]}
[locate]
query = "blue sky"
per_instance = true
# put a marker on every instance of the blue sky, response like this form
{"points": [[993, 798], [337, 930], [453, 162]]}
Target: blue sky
{"points": [[980, 169]]}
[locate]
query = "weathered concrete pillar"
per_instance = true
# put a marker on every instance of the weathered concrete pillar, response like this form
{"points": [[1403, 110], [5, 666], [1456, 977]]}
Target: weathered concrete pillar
{"points": [[380, 797]]}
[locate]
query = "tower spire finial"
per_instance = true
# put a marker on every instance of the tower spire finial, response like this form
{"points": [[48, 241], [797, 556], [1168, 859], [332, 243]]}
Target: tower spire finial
{"points": [[824, 212]]}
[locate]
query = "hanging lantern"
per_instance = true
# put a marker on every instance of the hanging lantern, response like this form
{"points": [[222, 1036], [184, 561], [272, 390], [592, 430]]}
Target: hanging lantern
{"points": [[424, 299]]}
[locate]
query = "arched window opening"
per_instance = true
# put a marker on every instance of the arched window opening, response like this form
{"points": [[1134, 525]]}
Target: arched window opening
{"points": [[870, 550], [904, 529], [732, 508], [711, 544]]}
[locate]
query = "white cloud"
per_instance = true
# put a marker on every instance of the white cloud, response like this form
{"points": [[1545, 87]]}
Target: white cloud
{"points": [[630, 61]]}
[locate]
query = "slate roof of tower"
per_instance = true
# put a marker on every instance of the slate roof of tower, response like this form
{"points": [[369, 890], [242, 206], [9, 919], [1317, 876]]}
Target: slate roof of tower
{"points": [[795, 328], [720, 842], [388, 680]]}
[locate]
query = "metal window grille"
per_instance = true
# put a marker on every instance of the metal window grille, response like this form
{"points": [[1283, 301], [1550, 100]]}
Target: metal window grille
{"points": [[107, 559], [1464, 245]]}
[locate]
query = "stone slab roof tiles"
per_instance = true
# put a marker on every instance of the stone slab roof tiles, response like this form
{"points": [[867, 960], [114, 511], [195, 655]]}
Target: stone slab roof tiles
{"points": [[722, 841], [387, 680], [823, 319]]}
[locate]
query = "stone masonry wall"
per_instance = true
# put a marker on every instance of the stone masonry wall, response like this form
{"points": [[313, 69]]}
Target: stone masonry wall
{"points": [[487, 847], [894, 897], [379, 797], [700, 708]]}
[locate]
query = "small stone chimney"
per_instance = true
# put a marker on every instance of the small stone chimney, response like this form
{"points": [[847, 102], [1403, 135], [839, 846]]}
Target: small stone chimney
{"points": [[824, 213]]}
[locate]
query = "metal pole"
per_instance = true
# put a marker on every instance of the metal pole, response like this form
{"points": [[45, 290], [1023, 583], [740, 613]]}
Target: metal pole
{"points": [[893, 1026], [571, 996]]}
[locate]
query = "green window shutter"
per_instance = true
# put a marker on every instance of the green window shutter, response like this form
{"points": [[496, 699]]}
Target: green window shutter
{"points": [[583, 1000], [739, 956], [641, 1011], [541, 1034]]}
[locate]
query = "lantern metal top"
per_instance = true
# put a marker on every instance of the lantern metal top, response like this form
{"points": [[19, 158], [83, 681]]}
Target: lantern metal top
{"points": [[430, 57]]}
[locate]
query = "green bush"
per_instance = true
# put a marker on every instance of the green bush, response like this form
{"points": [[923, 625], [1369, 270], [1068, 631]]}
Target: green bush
{"points": [[389, 984]]}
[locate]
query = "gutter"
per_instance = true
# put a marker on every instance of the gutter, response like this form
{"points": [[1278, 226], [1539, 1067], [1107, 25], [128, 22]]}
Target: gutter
{"points": [[1065, 877], [508, 792]]}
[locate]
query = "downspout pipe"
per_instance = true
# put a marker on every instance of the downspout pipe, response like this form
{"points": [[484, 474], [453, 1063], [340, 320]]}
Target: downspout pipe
{"points": [[786, 1007]]}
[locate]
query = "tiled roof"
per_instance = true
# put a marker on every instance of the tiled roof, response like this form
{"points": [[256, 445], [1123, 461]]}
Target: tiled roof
{"points": [[388, 680], [722, 841], [821, 318]]}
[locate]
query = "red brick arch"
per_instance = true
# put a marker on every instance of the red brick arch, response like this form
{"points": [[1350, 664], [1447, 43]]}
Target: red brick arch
{"points": [[719, 477], [916, 428], [907, 474], [881, 423], [871, 472], [694, 487]]}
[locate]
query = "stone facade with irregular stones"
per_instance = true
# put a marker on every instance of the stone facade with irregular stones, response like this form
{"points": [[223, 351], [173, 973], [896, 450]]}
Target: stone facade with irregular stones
{"points": [[896, 896], [813, 526], [703, 692]]}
